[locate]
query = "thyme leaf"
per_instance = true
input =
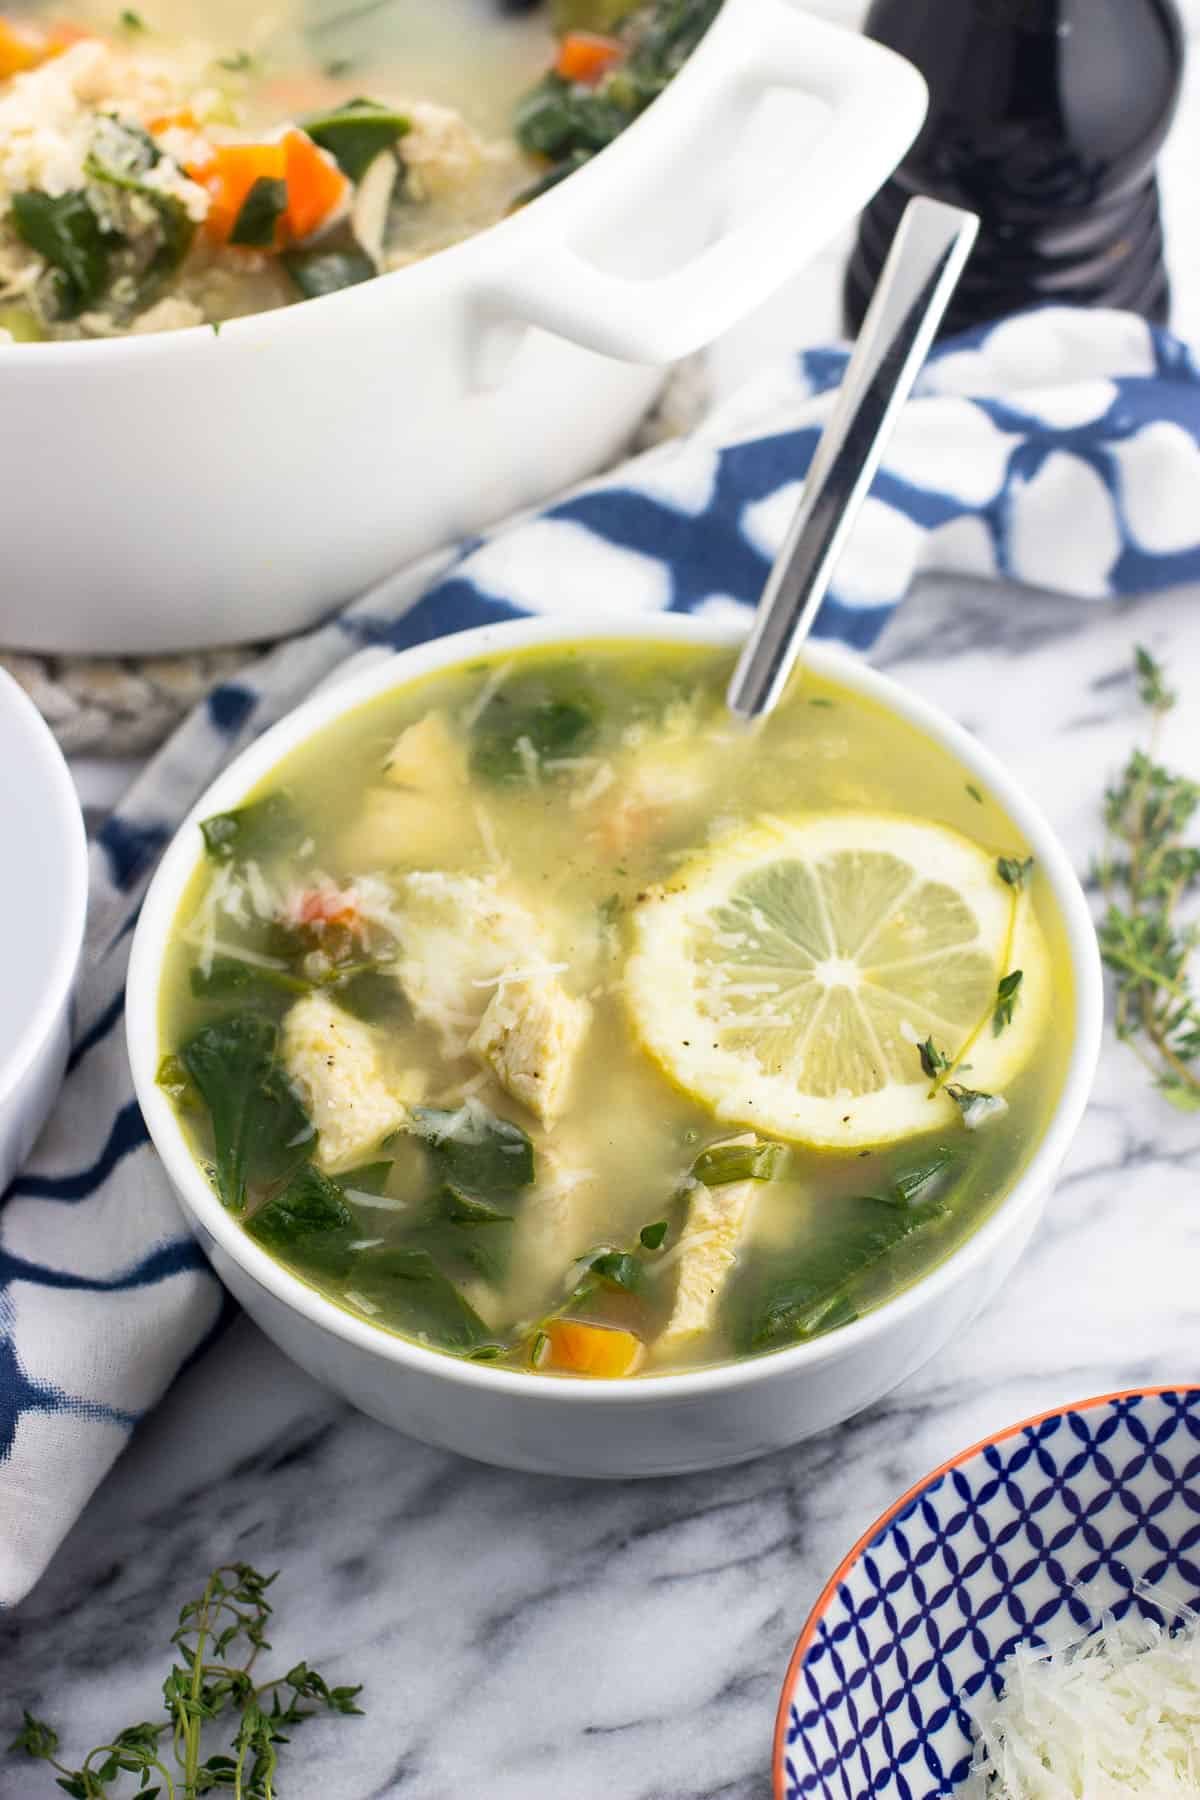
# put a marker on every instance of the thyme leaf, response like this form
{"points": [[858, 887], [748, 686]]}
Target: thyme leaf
{"points": [[1014, 870], [1006, 998]]}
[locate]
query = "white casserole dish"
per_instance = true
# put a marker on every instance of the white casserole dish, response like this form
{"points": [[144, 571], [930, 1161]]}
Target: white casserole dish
{"points": [[565, 1425], [43, 904], [163, 493]]}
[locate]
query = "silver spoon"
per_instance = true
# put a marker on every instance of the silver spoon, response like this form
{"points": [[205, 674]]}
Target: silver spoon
{"points": [[918, 280]]}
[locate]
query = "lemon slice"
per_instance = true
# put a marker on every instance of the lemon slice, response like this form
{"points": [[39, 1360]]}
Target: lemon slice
{"points": [[786, 977]]}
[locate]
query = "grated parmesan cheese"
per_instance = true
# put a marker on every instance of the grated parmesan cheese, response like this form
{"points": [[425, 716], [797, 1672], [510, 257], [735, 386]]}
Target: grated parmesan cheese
{"points": [[1113, 1714]]}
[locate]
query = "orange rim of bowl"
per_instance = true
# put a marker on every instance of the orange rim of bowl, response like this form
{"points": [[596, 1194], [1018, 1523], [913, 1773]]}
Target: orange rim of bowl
{"points": [[824, 1599]]}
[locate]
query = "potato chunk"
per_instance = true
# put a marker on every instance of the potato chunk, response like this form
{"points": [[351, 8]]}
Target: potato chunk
{"points": [[717, 1223], [529, 1037], [337, 1066]]}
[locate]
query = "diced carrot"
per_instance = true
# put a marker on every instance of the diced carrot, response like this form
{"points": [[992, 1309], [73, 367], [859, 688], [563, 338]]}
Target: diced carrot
{"points": [[328, 906], [229, 174], [587, 57], [183, 120], [601, 1350], [316, 186], [21, 48]]}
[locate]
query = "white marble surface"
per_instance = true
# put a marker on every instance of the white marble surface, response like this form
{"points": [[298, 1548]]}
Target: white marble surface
{"points": [[528, 1639]]}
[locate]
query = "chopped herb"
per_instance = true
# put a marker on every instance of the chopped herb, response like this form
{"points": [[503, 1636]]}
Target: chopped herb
{"points": [[619, 1270], [356, 133], [239, 62], [538, 1348], [1014, 870], [64, 230], [338, 66], [220, 1636], [1006, 998], [546, 724], [264, 828], [934, 1060], [723, 1163], [1148, 875], [653, 1237], [977, 1108], [820, 700], [974, 792], [309, 1225], [260, 213], [482, 1154], [132, 21], [216, 327], [261, 1133]]}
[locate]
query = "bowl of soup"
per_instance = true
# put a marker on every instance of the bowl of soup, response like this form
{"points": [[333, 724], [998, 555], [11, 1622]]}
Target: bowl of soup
{"points": [[285, 305], [574, 1079]]}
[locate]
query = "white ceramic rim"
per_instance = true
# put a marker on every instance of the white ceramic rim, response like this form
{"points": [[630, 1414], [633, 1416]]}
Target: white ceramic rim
{"points": [[183, 857], [65, 823]]}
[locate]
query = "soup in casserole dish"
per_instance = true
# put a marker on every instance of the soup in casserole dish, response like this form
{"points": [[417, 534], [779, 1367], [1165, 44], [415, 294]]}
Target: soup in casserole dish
{"points": [[539, 1014], [150, 181]]}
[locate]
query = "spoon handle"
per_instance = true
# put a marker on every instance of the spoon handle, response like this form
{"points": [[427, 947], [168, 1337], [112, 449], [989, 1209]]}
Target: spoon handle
{"points": [[928, 256]]}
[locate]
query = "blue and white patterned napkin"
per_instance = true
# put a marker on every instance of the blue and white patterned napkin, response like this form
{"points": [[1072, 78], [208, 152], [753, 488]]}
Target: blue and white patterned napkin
{"points": [[1058, 449]]}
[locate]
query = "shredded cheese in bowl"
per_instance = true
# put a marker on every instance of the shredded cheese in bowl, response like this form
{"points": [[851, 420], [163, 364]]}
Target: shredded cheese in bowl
{"points": [[1114, 1714]]}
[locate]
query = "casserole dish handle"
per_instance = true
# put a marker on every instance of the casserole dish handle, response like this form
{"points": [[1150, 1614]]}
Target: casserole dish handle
{"points": [[874, 103]]}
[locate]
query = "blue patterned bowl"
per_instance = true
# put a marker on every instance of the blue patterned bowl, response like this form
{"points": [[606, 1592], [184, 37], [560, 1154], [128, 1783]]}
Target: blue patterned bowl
{"points": [[985, 1554]]}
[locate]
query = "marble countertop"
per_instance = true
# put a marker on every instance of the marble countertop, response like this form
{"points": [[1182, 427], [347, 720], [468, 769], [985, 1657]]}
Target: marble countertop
{"points": [[533, 1639], [524, 1638]]}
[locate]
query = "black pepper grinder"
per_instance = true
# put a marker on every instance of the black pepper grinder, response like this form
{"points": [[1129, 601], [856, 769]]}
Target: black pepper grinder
{"points": [[1045, 118]]}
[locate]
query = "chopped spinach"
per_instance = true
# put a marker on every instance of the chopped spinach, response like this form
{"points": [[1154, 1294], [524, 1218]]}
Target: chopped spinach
{"points": [[484, 1154], [260, 213], [65, 231], [461, 1208], [653, 1237], [723, 1163], [261, 1133], [465, 1236], [309, 1225], [266, 827], [811, 1292], [558, 119], [413, 1294], [356, 133], [228, 975], [371, 995], [325, 271], [535, 717], [120, 157]]}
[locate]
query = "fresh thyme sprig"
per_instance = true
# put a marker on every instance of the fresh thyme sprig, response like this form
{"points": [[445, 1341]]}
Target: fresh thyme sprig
{"points": [[1147, 875], [218, 1640]]}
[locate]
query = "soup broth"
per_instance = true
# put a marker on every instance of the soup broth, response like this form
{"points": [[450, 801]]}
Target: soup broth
{"points": [[429, 1014]]}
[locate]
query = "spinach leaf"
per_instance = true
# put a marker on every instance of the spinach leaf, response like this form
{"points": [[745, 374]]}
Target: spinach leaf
{"points": [[653, 1237], [309, 1225], [266, 827], [64, 230], [464, 1235], [174, 1080], [324, 271], [260, 213], [539, 720], [464, 1209], [120, 157], [371, 995], [356, 133], [723, 1163], [556, 118], [228, 975], [261, 1133], [484, 1155], [414, 1296], [796, 1302]]}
